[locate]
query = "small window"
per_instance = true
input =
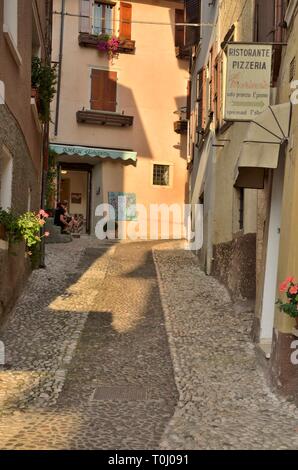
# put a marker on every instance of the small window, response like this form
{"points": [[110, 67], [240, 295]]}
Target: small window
{"points": [[103, 18], [161, 175]]}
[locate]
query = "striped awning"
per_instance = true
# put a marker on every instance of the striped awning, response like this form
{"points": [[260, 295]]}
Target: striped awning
{"points": [[81, 151]]}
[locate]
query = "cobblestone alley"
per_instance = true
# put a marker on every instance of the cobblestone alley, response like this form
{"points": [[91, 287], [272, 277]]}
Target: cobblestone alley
{"points": [[131, 346]]}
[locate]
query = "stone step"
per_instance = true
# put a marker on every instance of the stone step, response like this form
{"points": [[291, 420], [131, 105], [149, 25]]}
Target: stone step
{"points": [[55, 233]]}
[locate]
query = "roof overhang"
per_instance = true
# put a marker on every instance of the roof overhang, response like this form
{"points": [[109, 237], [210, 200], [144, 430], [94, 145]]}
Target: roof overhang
{"points": [[266, 137]]}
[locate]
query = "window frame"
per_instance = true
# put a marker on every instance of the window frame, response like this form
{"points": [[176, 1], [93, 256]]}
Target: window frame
{"points": [[11, 28], [170, 165], [103, 19]]}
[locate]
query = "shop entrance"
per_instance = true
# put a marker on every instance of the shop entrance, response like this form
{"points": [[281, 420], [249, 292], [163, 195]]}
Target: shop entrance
{"points": [[74, 186]]}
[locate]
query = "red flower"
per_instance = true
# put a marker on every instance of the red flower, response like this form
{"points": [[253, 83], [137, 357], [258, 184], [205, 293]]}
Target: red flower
{"points": [[293, 290]]}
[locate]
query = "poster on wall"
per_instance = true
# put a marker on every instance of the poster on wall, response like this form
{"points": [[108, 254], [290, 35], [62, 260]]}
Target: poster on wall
{"points": [[76, 198], [248, 81], [124, 205]]}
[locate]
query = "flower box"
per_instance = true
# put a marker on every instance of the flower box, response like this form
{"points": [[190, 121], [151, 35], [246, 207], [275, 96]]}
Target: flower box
{"points": [[126, 46]]}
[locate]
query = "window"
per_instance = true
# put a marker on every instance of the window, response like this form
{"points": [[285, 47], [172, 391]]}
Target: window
{"points": [[179, 30], [11, 19], [125, 20], [161, 175], [218, 83], [103, 90], [202, 98], [103, 18], [192, 15], [5, 178]]}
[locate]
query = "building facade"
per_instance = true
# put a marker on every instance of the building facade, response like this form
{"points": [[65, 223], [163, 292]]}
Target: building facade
{"points": [[24, 34], [119, 122], [243, 169]]}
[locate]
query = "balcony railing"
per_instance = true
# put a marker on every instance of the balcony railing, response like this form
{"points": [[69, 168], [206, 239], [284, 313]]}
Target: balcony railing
{"points": [[91, 40], [104, 119]]}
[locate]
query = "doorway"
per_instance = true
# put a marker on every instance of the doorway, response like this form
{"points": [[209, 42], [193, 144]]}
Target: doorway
{"points": [[271, 265], [74, 186]]}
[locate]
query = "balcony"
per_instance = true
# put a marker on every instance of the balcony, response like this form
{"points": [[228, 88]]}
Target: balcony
{"points": [[182, 52], [104, 118], [90, 40], [180, 127]]}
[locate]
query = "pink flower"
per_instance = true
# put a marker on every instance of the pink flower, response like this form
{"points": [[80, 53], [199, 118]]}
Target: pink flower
{"points": [[47, 234], [293, 290], [43, 213], [290, 280], [283, 286]]}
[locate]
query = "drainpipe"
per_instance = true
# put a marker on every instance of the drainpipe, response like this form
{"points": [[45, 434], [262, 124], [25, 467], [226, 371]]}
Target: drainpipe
{"points": [[60, 66], [279, 19]]}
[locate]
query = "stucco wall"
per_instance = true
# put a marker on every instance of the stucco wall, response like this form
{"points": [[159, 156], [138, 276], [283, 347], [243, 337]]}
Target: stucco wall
{"points": [[151, 86], [14, 267]]}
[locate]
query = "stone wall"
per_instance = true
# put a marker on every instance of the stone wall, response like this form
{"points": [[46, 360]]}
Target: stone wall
{"points": [[234, 264], [14, 265]]}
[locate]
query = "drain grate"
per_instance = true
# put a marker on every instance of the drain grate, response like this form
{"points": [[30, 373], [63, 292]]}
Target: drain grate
{"points": [[121, 393]]}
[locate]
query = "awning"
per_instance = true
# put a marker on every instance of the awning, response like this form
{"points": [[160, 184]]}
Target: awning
{"points": [[74, 150], [266, 136]]}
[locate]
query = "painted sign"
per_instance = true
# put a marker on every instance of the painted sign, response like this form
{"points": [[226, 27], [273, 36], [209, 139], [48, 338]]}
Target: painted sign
{"points": [[248, 81]]}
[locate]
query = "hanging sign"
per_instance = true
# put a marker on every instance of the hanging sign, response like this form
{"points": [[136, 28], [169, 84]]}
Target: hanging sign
{"points": [[248, 81]]}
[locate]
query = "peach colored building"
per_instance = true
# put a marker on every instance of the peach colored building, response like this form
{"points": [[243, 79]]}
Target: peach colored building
{"points": [[115, 126]]}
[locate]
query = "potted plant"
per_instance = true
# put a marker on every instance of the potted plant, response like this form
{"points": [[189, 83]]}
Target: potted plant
{"points": [[109, 44], [26, 227], [43, 81], [290, 307]]}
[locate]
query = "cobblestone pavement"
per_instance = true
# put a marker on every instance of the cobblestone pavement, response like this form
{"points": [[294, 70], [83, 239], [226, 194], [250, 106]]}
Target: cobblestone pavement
{"points": [[112, 347], [224, 402], [88, 361]]}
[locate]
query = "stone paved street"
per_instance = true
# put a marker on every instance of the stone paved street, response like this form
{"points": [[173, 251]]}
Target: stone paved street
{"points": [[131, 346]]}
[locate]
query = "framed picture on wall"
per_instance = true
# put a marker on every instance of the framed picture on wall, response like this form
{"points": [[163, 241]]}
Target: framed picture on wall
{"points": [[76, 198]]}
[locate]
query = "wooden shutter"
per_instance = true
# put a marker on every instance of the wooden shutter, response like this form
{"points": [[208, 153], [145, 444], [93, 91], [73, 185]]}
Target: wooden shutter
{"points": [[125, 20], [85, 23], [264, 20], [179, 30], [202, 99], [188, 103], [218, 89], [192, 15], [103, 90]]}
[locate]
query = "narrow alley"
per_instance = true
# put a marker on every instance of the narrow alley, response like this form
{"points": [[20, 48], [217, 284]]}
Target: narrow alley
{"points": [[131, 346]]}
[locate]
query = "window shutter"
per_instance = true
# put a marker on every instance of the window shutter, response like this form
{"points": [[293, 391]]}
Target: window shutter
{"points": [[264, 20], [125, 20], [204, 99], [188, 103], [103, 90], [218, 89], [85, 23], [179, 30], [192, 15]]}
